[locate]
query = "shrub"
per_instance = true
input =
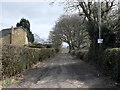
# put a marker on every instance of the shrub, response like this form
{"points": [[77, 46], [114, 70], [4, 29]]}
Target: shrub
{"points": [[15, 59], [110, 63], [81, 54], [107, 61], [48, 45], [72, 52], [36, 45]]}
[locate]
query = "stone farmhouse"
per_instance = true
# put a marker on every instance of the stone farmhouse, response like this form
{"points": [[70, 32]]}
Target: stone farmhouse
{"points": [[14, 36]]}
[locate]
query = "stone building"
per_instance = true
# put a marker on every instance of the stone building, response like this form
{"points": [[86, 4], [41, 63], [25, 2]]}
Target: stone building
{"points": [[14, 36]]}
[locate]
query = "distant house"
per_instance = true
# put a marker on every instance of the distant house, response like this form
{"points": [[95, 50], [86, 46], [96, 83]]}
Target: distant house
{"points": [[15, 36]]}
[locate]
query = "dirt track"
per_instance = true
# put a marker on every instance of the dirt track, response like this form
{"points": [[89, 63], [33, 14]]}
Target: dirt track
{"points": [[63, 71]]}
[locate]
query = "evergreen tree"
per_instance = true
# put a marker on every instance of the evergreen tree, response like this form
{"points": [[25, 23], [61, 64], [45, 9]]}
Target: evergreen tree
{"points": [[26, 24]]}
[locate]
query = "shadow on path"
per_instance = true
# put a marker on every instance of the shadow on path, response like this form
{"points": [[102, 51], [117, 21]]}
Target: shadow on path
{"points": [[63, 71]]}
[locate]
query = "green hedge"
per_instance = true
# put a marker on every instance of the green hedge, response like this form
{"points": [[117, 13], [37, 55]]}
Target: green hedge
{"points": [[81, 54], [39, 45], [16, 59], [36, 45], [108, 62]]}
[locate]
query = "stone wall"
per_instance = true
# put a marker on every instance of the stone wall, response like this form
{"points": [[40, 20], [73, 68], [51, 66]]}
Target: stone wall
{"points": [[16, 36], [5, 39], [15, 59], [19, 37]]}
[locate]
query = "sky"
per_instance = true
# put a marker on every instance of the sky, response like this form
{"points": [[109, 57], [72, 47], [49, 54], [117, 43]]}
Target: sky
{"points": [[41, 15]]}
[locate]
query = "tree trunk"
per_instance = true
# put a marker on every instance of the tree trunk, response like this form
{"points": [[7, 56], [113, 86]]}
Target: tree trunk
{"points": [[70, 48]]}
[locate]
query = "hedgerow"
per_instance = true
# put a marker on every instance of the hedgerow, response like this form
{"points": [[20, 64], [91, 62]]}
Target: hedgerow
{"points": [[15, 59], [108, 62]]}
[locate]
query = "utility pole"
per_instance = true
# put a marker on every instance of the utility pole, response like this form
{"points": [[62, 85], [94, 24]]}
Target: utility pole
{"points": [[100, 40], [99, 18]]}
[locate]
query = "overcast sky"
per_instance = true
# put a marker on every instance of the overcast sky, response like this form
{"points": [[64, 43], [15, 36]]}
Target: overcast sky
{"points": [[41, 15]]}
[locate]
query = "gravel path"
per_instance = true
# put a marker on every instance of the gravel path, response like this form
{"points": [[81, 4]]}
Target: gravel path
{"points": [[63, 71]]}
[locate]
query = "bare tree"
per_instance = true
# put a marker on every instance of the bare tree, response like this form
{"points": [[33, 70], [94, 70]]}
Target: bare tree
{"points": [[89, 8], [38, 39], [55, 39], [70, 29]]}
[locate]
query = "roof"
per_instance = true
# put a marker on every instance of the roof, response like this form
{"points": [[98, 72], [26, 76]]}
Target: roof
{"points": [[7, 31]]}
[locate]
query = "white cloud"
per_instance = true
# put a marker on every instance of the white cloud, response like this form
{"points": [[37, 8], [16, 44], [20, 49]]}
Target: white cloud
{"points": [[34, 0], [42, 30], [41, 15]]}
